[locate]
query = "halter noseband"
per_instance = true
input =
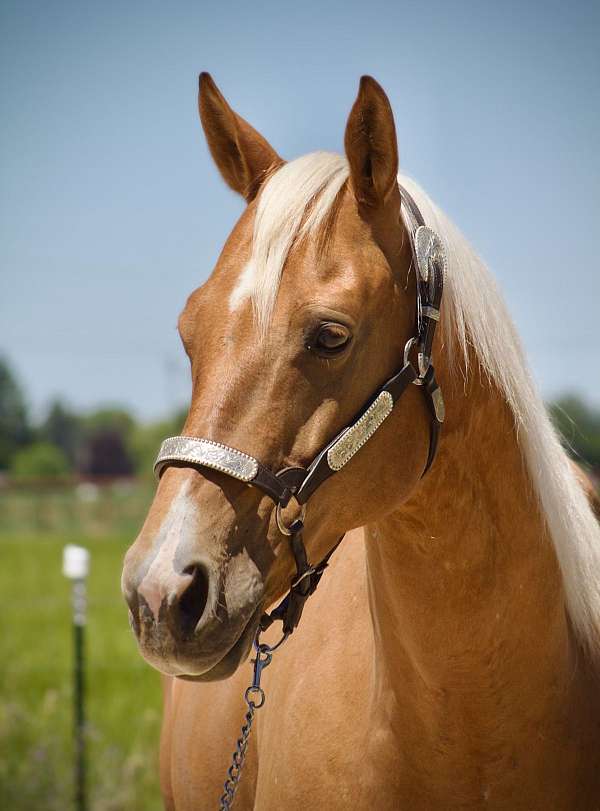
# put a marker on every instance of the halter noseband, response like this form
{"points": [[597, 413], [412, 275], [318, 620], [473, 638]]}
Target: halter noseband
{"points": [[301, 482]]}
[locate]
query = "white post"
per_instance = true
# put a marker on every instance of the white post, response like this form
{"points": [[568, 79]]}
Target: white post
{"points": [[76, 564]]}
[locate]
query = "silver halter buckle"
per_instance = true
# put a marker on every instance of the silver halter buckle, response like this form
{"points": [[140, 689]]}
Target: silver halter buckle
{"points": [[281, 525], [423, 362]]}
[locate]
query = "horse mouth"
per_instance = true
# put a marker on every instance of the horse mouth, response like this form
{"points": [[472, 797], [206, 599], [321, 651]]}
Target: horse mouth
{"points": [[234, 657]]}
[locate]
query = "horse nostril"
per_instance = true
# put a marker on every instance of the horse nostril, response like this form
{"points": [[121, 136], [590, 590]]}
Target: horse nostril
{"points": [[193, 600]]}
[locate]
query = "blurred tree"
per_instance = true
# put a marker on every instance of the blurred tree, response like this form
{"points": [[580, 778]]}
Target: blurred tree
{"points": [[41, 460], [105, 454], [146, 439], [115, 419], [63, 428], [105, 448], [579, 425], [14, 426]]}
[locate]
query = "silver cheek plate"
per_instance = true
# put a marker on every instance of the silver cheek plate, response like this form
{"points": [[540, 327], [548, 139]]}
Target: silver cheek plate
{"points": [[363, 429], [207, 453]]}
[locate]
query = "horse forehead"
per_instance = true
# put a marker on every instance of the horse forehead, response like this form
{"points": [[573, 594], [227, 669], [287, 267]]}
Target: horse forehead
{"points": [[341, 250], [347, 276]]}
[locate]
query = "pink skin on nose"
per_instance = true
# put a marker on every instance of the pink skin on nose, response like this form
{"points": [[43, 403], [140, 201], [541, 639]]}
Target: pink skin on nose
{"points": [[162, 580]]}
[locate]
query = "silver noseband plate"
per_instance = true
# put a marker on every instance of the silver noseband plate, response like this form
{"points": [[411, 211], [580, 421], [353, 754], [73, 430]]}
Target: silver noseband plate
{"points": [[208, 453]]}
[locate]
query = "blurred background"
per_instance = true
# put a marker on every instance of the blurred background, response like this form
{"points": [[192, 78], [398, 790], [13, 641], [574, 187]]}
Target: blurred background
{"points": [[111, 213]]}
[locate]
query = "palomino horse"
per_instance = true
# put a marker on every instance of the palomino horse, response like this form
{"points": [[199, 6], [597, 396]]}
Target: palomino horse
{"points": [[447, 660]]}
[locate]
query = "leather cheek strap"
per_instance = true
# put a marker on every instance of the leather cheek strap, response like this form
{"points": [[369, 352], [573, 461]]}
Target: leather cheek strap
{"points": [[435, 402], [320, 469]]}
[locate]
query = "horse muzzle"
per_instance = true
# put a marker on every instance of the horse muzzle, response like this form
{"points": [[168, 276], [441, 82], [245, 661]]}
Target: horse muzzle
{"points": [[194, 605], [196, 623]]}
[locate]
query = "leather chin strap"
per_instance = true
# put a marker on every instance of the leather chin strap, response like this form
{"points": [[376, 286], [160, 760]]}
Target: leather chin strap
{"points": [[300, 483]]}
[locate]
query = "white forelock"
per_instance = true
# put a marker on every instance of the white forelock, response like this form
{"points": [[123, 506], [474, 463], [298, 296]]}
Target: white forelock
{"points": [[292, 203]]}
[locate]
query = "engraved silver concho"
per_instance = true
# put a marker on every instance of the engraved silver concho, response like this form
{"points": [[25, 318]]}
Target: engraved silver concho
{"points": [[208, 453], [364, 428], [429, 249]]}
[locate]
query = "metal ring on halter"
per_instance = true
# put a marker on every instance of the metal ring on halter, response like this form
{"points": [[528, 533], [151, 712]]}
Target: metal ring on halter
{"points": [[278, 644], [418, 381], [409, 345], [263, 647], [285, 530], [256, 691]]}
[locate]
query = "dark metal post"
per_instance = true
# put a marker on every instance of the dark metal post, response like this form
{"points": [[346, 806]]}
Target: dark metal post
{"points": [[76, 567]]}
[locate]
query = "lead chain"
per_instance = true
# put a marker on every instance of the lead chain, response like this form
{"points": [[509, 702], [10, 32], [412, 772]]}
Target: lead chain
{"points": [[254, 698], [237, 764]]}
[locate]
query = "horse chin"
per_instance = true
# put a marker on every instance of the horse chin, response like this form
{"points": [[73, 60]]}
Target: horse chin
{"points": [[234, 657], [186, 666]]}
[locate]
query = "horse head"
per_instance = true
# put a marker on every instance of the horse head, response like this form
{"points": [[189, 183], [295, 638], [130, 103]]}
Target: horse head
{"points": [[307, 312]]}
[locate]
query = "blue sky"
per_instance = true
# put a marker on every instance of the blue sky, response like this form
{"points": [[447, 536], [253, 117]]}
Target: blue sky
{"points": [[111, 211]]}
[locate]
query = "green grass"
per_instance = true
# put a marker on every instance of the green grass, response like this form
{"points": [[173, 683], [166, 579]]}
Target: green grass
{"points": [[123, 693]]}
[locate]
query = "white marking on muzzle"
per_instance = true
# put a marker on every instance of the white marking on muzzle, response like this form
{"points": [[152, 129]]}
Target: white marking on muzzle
{"points": [[162, 579]]}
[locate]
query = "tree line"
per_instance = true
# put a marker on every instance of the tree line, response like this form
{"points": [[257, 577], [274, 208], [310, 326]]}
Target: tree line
{"points": [[110, 442], [104, 443]]}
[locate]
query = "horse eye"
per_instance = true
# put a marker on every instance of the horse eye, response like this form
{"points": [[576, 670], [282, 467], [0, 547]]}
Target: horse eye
{"points": [[331, 338]]}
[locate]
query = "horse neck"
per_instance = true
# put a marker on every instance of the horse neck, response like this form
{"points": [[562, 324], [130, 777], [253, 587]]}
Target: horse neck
{"points": [[465, 589]]}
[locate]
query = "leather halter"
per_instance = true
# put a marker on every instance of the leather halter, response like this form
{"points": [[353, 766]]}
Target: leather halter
{"points": [[300, 483]]}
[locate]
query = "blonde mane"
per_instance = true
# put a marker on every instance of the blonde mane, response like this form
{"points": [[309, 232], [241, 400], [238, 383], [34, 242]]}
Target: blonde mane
{"points": [[295, 201]]}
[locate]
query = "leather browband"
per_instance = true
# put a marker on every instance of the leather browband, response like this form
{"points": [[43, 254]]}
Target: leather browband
{"points": [[301, 482]]}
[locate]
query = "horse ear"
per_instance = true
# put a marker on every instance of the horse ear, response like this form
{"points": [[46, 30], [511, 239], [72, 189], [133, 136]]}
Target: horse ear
{"points": [[371, 146], [242, 155]]}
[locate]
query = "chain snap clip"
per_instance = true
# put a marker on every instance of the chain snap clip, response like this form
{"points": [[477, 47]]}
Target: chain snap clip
{"points": [[262, 660], [254, 698]]}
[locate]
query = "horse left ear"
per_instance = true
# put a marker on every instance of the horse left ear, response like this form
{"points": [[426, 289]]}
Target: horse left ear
{"points": [[242, 155], [371, 146]]}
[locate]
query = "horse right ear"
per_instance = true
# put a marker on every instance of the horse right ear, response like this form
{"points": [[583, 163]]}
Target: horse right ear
{"points": [[371, 146], [244, 158]]}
